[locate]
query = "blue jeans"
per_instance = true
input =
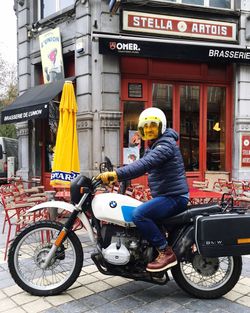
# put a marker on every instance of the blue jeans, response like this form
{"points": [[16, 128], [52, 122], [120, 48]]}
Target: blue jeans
{"points": [[156, 209]]}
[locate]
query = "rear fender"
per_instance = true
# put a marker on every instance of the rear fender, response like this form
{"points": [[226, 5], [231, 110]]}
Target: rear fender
{"points": [[183, 243], [67, 207]]}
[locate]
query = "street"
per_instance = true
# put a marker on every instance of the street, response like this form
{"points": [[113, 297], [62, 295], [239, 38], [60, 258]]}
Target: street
{"points": [[94, 292]]}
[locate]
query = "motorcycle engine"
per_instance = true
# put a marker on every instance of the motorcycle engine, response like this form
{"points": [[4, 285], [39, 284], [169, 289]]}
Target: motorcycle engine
{"points": [[120, 244]]}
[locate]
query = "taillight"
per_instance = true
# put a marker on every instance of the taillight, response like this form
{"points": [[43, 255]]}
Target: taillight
{"points": [[5, 166]]}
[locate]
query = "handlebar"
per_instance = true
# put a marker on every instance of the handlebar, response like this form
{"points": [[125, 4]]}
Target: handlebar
{"points": [[96, 183]]}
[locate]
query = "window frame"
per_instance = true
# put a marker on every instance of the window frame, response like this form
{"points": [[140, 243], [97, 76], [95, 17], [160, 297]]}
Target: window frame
{"points": [[40, 9], [206, 4]]}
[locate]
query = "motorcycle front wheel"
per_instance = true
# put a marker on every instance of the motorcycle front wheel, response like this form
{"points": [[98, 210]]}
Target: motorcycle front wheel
{"points": [[28, 252], [208, 278]]}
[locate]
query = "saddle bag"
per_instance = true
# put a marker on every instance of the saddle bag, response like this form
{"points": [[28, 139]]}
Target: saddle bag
{"points": [[223, 234]]}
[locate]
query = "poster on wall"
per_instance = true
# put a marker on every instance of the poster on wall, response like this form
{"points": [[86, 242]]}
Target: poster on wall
{"points": [[134, 138], [51, 55], [130, 154], [245, 150]]}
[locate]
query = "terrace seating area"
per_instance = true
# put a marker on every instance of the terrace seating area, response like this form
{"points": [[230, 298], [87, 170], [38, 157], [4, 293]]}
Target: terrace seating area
{"points": [[17, 196], [239, 190], [200, 192]]}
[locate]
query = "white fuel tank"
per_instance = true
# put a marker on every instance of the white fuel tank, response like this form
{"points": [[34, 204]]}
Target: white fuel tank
{"points": [[114, 208]]}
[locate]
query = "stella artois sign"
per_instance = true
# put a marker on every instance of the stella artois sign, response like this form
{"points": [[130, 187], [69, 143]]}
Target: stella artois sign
{"points": [[245, 150], [178, 26]]}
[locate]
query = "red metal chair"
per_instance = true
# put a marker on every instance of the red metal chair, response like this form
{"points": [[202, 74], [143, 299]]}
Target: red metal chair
{"points": [[15, 207], [14, 217], [237, 188], [200, 184], [223, 186], [140, 192]]}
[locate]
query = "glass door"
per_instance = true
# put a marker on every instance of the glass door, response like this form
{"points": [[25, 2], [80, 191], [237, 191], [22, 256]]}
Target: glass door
{"points": [[190, 126], [216, 129], [162, 98], [199, 112]]}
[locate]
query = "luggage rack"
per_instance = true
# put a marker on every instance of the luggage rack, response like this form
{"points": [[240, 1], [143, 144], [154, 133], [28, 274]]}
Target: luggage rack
{"points": [[228, 204]]}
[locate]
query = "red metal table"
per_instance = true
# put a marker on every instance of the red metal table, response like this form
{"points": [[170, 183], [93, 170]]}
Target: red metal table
{"points": [[198, 196], [62, 193]]}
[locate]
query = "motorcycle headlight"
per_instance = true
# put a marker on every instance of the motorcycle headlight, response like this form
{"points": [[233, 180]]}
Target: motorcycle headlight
{"points": [[78, 187]]}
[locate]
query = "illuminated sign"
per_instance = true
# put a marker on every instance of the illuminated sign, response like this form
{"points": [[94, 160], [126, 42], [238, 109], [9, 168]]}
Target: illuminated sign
{"points": [[245, 150], [178, 26]]}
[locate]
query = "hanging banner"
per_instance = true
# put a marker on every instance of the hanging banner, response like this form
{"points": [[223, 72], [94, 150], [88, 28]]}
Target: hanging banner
{"points": [[51, 55], [245, 150]]}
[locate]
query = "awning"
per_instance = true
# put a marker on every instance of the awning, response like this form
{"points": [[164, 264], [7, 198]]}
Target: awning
{"points": [[32, 104]]}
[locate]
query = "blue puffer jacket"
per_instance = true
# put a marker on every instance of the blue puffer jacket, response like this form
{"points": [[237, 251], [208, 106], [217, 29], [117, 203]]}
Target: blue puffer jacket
{"points": [[164, 164]]}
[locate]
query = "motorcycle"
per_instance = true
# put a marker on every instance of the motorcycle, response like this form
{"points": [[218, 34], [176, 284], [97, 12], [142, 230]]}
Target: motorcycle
{"points": [[46, 257]]}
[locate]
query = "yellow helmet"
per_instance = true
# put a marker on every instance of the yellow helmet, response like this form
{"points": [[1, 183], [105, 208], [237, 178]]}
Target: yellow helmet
{"points": [[152, 115]]}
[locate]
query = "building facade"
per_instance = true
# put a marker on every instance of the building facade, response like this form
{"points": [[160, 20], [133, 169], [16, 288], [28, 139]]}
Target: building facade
{"points": [[188, 57]]}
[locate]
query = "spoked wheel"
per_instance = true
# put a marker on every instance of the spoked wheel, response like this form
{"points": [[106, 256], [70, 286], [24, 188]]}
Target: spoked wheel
{"points": [[208, 278], [28, 253]]}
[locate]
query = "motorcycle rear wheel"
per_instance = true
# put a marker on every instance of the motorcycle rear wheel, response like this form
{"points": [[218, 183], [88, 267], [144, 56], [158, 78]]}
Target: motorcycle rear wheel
{"points": [[27, 254], [208, 278]]}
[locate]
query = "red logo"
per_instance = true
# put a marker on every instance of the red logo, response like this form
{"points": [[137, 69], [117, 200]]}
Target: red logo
{"points": [[112, 45]]}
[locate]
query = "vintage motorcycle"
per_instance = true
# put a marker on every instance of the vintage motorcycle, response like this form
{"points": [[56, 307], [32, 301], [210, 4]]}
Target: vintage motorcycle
{"points": [[46, 258]]}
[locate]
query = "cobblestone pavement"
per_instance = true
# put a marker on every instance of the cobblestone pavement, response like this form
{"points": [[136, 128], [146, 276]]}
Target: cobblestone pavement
{"points": [[97, 293]]}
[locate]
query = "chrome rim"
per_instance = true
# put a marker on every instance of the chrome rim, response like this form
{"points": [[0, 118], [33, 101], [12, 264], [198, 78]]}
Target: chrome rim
{"points": [[207, 273], [31, 252]]}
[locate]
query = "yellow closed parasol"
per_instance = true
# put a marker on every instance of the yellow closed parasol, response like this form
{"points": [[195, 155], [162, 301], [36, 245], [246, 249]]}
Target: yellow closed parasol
{"points": [[66, 165]]}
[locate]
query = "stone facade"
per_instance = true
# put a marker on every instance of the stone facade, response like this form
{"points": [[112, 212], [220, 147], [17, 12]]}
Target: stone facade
{"points": [[98, 82]]}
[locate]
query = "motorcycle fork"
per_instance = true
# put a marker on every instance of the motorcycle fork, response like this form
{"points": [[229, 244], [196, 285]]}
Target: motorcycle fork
{"points": [[61, 237]]}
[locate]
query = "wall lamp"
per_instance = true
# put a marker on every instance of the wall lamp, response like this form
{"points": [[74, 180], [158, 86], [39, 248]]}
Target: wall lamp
{"points": [[21, 2]]}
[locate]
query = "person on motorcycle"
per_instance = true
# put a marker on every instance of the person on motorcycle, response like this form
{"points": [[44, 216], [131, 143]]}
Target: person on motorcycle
{"points": [[167, 181]]}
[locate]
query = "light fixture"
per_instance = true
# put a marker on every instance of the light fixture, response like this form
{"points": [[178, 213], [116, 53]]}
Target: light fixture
{"points": [[114, 5], [21, 2], [217, 127]]}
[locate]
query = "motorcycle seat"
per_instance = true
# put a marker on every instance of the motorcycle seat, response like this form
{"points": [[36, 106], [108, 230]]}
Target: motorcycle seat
{"points": [[192, 211]]}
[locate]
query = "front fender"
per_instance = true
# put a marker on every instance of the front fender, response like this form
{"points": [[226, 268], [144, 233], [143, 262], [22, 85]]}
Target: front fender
{"points": [[67, 207], [52, 204]]}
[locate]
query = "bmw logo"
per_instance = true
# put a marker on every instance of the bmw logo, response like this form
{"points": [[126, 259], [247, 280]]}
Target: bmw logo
{"points": [[112, 204]]}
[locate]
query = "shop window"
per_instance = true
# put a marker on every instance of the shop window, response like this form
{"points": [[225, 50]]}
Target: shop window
{"points": [[50, 135], [49, 7], [223, 4], [220, 4], [162, 98], [133, 147], [216, 117], [189, 126], [195, 2]]}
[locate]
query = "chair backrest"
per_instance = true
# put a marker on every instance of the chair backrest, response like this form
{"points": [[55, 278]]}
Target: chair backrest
{"points": [[237, 187], [200, 184], [222, 185]]}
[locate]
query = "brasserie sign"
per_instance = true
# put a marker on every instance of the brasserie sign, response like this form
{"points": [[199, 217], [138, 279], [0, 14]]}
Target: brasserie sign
{"points": [[168, 50]]}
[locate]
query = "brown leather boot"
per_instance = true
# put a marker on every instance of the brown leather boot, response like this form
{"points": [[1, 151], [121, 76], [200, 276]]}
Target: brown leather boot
{"points": [[165, 260]]}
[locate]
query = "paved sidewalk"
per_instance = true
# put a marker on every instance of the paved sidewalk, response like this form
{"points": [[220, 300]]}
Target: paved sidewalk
{"points": [[97, 293]]}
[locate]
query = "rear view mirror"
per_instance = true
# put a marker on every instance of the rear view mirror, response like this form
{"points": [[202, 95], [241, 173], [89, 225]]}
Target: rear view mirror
{"points": [[1, 151], [106, 165], [109, 165]]}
